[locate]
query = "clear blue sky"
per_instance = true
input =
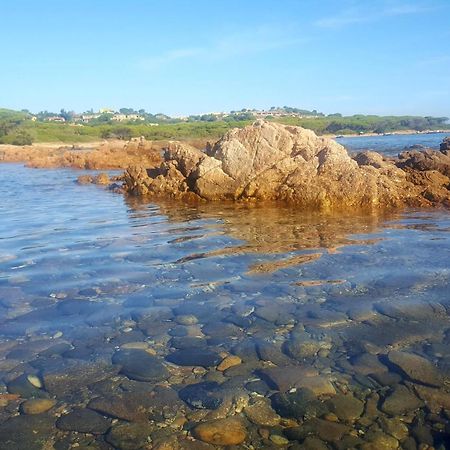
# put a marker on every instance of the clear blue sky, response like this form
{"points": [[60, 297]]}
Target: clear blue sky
{"points": [[183, 57]]}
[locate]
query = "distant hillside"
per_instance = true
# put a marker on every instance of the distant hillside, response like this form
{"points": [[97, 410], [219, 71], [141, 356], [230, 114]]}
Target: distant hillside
{"points": [[23, 127]]}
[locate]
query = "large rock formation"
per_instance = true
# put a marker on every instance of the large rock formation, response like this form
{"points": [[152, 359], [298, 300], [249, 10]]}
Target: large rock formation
{"points": [[269, 161]]}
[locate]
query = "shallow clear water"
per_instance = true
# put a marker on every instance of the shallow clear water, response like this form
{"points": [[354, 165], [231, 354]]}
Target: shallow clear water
{"points": [[392, 145], [107, 300]]}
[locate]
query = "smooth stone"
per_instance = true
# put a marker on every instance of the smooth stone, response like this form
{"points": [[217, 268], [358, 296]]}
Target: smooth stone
{"points": [[423, 434], [138, 345], [139, 403], [435, 399], [194, 357], [56, 350], [394, 427], [37, 406], [24, 388], [229, 431], [79, 307], [229, 361], [35, 381], [68, 376], [271, 352], [327, 431], [186, 319], [188, 342], [261, 413], [300, 346], [279, 440], [221, 331], [386, 378], [346, 407], [246, 350], [381, 441], [27, 432], [313, 443], [367, 363], [83, 421], [299, 404], [130, 436], [140, 365], [273, 314], [400, 400], [205, 395], [416, 368], [125, 405], [258, 386], [286, 378]]}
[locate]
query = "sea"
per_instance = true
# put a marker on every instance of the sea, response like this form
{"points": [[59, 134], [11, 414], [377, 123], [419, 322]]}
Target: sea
{"points": [[141, 324]]}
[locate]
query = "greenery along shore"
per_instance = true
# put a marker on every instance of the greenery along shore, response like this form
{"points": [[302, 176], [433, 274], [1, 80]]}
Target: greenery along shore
{"points": [[23, 127]]}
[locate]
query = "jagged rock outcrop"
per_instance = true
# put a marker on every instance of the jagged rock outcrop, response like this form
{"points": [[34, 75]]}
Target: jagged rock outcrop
{"points": [[445, 146], [426, 160], [269, 161]]}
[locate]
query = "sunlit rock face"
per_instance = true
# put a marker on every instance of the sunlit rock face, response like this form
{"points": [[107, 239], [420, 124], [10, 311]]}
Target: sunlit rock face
{"points": [[269, 161]]}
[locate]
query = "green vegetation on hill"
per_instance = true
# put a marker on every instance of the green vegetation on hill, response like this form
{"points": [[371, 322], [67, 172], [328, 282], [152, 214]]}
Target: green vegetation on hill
{"points": [[19, 128], [337, 124]]}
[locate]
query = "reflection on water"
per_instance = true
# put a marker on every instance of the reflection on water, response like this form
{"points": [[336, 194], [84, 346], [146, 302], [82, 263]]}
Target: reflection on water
{"points": [[126, 324]]}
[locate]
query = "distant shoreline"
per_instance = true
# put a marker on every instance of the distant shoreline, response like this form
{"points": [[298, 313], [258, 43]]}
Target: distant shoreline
{"points": [[392, 133]]}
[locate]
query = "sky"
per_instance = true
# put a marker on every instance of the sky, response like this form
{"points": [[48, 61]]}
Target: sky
{"points": [[188, 57]]}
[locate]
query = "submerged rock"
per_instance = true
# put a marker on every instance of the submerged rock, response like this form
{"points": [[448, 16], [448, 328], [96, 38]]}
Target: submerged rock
{"points": [[400, 400], [346, 407], [27, 432], [205, 395], [261, 413], [270, 161], [229, 431], [83, 421], [37, 406], [194, 357], [299, 404], [130, 436], [140, 365], [416, 368]]}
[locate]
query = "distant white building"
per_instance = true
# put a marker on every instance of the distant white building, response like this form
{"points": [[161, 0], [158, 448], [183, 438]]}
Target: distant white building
{"points": [[126, 117]]}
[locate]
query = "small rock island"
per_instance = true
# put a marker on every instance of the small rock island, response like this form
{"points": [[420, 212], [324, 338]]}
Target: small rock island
{"points": [[270, 161]]}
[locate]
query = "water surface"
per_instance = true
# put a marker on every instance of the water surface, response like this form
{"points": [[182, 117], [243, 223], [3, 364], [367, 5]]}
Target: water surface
{"points": [[123, 310], [392, 145]]}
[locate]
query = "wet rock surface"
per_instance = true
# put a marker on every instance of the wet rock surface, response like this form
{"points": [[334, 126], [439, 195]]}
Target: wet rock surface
{"points": [[269, 161], [139, 365], [416, 368], [83, 421], [194, 357], [230, 431]]}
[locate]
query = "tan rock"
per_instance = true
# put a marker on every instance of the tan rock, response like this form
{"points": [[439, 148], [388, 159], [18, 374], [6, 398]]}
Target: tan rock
{"points": [[435, 399], [228, 362], [261, 413], [229, 431], [37, 406], [416, 367], [319, 385], [270, 161]]}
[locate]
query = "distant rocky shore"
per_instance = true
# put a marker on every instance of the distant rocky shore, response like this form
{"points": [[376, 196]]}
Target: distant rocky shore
{"points": [[270, 161], [104, 155]]}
